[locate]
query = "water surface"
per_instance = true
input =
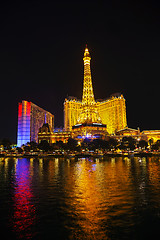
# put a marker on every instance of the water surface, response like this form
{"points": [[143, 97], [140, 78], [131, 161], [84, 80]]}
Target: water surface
{"points": [[110, 198]]}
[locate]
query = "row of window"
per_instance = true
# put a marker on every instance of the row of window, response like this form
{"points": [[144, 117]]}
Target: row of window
{"points": [[24, 123], [24, 140], [23, 132], [24, 129], [24, 137], [23, 117]]}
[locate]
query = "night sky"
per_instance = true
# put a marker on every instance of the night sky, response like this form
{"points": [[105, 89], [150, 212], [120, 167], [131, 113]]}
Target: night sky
{"points": [[41, 56]]}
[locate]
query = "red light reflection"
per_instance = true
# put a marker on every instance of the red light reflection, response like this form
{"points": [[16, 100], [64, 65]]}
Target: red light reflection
{"points": [[24, 210]]}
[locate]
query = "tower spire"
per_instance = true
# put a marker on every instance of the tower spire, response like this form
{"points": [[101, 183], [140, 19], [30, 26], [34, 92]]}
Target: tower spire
{"points": [[89, 112], [88, 96]]}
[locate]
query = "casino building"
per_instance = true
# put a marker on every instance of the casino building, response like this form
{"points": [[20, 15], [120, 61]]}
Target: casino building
{"points": [[90, 117], [30, 119]]}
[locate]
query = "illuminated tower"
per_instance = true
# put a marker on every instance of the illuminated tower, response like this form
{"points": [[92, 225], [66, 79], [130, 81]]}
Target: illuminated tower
{"points": [[90, 117], [89, 113]]}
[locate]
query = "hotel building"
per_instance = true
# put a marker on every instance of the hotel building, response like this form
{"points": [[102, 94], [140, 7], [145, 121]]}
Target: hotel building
{"points": [[110, 112], [88, 117], [30, 119]]}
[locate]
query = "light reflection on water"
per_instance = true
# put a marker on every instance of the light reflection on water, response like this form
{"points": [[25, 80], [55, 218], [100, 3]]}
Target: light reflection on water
{"points": [[23, 209], [113, 198]]}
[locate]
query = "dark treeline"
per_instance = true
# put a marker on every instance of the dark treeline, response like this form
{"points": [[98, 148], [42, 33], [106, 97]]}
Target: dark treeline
{"points": [[112, 144], [6, 143], [127, 143]]}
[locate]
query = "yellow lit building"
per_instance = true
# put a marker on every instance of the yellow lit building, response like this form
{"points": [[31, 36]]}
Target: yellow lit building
{"points": [[113, 113], [72, 109], [89, 118], [151, 134], [110, 112], [46, 133]]}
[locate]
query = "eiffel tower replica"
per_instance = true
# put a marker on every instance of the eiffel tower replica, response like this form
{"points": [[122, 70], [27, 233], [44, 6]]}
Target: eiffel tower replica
{"points": [[89, 123]]}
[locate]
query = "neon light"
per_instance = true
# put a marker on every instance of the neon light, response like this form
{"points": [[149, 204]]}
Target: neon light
{"points": [[88, 135], [28, 108], [20, 110], [24, 115]]}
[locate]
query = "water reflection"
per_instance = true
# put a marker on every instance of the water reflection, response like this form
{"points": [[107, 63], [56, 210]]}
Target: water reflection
{"points": [[89, 198], [113, 198], [97, 192], [109, 197], [24, 210]]}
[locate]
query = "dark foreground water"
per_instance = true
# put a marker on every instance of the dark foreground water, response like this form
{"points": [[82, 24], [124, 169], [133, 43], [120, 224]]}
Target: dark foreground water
{"points": [[111, 198]]}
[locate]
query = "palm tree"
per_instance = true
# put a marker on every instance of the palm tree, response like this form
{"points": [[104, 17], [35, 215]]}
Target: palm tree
{"points": [[44, 145], [113, 143], [128, 143], [143, 144], [150, 141]]}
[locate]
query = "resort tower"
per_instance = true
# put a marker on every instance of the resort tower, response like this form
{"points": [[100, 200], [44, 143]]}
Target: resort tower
{"points": [[89, 113], [110, 112]]}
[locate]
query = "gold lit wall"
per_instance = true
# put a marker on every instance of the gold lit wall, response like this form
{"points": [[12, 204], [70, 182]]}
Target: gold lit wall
{"points": [[111, 111], [72, 108]]}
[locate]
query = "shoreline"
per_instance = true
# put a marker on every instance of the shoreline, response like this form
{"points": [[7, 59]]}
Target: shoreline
{"points": [[83, 155]]}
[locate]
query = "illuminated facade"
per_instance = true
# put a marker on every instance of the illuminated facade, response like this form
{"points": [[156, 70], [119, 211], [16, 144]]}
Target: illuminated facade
{"points": [[110, 112], [46, 133], [72, 109], [129, 132], [151, 134], [30, 119], [113, 113], [146, 135], [89, 130]]}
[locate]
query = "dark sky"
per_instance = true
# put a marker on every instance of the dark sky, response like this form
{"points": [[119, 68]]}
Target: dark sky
{"points": [[41, 56]]}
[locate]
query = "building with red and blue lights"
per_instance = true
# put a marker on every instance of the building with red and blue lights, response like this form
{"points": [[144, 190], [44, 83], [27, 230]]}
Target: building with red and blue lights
{"points": [[30, 119]]}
